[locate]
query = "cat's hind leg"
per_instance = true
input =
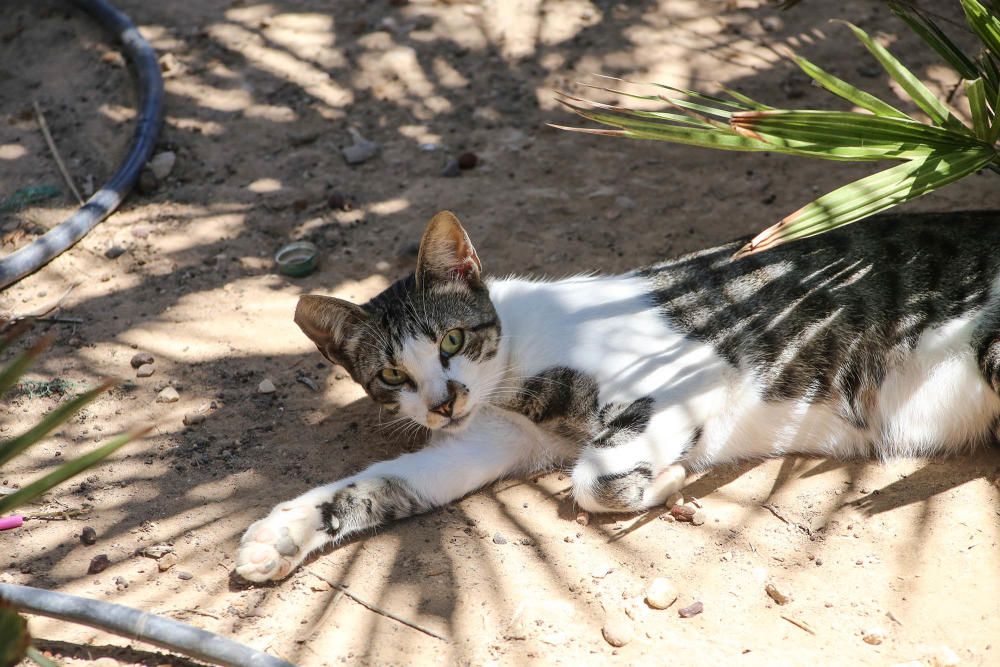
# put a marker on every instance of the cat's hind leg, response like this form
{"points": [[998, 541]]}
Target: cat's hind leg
{"points": [[632, 463]]}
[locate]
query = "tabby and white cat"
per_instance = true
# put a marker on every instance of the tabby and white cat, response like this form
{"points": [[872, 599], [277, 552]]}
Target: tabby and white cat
{"points": [[877, 341]]}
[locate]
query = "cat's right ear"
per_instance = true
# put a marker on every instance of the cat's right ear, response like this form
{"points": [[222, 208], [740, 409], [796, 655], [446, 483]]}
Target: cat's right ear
{"points": [[329, 322]]}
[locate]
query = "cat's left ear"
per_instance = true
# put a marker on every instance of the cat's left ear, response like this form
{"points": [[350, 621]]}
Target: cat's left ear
{"points": [[446, 253]]}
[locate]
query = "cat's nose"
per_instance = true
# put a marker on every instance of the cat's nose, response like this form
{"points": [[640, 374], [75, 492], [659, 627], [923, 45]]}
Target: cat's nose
{"points": [[456, 391], [445, 407]]}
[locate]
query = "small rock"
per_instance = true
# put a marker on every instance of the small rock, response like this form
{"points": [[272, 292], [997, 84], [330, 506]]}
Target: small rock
{"points": [[148, 182], [114, 252], [338, 202], [361, 150], [99, 564], [691, 610], [308, 381], [683, 512], [772, 23], [88, 536], [618, 629], [874, 637], [162, 164], [266, 387], [601, 571], [451, 169], [145, 371], [499, 539], [166, 562], [185, 576], [776, 595], [120, 583], [193, 418], [698, 518], [468, 161], [141, 359], [583, 518], [157, 550], [661, 593], [168, 395]]}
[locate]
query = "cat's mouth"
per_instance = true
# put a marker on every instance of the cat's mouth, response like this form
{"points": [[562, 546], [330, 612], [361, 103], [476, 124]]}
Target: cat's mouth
{"points": [[456, 423]]}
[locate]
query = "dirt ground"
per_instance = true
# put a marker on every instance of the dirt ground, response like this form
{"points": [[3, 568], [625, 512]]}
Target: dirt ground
{"points": [[259, 100]]}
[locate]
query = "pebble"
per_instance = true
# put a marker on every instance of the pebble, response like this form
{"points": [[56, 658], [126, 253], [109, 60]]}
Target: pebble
{"points": [[776, 595], [121, 583], [114, 252], [166, 562], [874, 637], [468, 160], [338, 202], [361, 150], [451, 169], [184, 575], [168, 395], [772, 23], [617, 629], [583, 518], [88, 536], [148, 182], [661, 593], [192, 418], [601, 571], [265, 387], [141, 359], [145, 371], [162, 164], [683, 512], [691, 610], [98, 563], [157, 550], [698, 518], [499, 539]]}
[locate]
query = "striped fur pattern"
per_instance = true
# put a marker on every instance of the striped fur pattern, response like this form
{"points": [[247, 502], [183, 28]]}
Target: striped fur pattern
{"points": [[876, 341]]}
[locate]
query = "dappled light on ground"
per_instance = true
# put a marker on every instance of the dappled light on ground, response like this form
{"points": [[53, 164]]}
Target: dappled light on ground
{"points": [[260, 99]]}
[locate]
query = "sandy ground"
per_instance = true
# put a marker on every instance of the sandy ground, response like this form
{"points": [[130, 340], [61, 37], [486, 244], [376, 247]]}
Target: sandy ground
{"points": [[259, 101]]}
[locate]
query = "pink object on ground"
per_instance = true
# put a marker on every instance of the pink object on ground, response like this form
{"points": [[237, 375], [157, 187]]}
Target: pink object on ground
{"points": [[8, 522]]}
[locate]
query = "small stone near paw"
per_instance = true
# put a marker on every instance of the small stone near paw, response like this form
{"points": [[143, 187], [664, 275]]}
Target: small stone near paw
{"points": [[498, 538], [185, 575], [691, 610], [875, 636], [583, 518], [617, 629], [661, 593]]}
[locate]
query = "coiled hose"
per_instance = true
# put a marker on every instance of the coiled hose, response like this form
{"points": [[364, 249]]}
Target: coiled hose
{"points": [[137, 50]]}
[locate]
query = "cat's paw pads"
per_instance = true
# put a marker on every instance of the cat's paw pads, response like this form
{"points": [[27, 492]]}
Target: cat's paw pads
{"points": [[273, 546]]}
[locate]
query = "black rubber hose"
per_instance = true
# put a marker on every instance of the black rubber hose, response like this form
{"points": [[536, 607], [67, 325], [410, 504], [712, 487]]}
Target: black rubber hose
{"points": [[137, 50], [138, 625]]}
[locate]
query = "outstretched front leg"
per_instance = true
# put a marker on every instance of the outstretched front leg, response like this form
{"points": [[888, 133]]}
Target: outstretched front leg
{"points": [[494, 445]]}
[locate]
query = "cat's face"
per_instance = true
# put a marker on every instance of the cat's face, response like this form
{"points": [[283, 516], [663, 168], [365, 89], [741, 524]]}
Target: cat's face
{"points": [[426, 347]]}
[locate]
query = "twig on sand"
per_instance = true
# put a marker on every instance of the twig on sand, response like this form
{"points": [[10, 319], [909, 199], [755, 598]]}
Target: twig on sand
{"points": [[799, 624], [55, 151], [774, 510], [379, 610]]}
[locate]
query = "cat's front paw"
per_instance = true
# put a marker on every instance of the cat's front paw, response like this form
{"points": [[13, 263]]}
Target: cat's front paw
{"points": [[272, 547]]}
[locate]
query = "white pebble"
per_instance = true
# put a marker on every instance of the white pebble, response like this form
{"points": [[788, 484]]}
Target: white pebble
{"points": [[874, 636], [661, 593], [163, 163], [617, 629], [168, 395], [265, 387]]}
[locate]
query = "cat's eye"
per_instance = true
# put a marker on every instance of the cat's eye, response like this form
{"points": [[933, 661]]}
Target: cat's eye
{"points": [[393, 376], [452, 342]]}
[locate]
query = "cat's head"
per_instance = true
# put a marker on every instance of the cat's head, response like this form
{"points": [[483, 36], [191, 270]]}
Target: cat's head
{"points": [[427, 346]]}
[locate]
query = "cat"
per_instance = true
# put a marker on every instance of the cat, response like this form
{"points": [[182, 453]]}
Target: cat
{"points": [[874, 341]]}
